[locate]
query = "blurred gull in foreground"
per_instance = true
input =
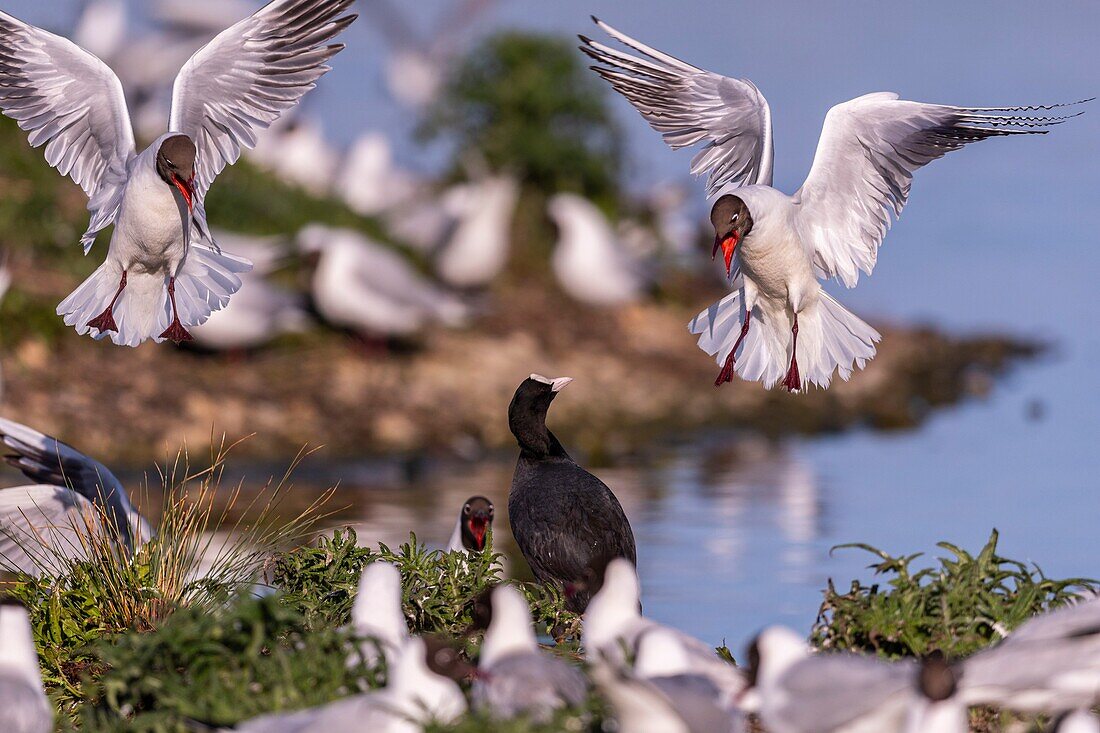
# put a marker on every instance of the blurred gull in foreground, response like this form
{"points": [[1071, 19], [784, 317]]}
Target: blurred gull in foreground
{"points": [[613, 624], [25, 708], [590, 261], [377, 613], [516, 677], [796, 691], [417, 694], [371, 289], [1079, 721], [43, 526]]}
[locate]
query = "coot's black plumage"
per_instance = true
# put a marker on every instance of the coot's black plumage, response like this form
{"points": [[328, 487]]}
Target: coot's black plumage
{"points": [[565, 520]]}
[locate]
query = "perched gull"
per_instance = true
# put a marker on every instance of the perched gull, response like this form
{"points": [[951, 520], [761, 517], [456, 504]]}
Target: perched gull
{"points": [[937, 709], [640, 705], [25, 708], [473, 525], [476, 250], [368, 288], [516, 677], [1079, 721], [565, 520], [261, 311], [369, 181], [416, 695], [157, 281], [590, 262], [614, 623], [796, 691], [418, 64], [776, 246], [377, 614], [44, 523], [1048, 673], [298, 153]]}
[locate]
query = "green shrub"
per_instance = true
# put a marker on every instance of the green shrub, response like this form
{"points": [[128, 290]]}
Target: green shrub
{"points": [[958, 608]]}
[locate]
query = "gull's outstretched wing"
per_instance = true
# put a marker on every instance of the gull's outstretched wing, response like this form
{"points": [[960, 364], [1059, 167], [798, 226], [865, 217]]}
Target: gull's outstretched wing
{"points": [[71, 102], [243, 80], [689, 105], [869, 149]]}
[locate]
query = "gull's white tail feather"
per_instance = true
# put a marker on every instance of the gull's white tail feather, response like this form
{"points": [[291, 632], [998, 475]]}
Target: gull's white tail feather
{"points": [[830, 339], [141, 311], [205, 282]]}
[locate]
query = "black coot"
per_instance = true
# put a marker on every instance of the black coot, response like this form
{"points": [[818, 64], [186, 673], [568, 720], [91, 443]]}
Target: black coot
{"points": [[565, 520]]}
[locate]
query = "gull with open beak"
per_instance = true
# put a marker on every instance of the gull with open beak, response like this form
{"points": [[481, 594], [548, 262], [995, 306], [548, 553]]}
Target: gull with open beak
{"points": [[472, 528], [158, 278], [779, 326]]}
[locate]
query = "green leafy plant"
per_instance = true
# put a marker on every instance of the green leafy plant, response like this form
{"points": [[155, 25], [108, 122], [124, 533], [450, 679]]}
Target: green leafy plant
{"points": [[439, 588], [253, 657], [959, 607]]}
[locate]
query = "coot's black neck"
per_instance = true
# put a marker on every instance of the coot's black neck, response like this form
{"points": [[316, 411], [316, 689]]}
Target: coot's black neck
{"points": [[535, 440]]}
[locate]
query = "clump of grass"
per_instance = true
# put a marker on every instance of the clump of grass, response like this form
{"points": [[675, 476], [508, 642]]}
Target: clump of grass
{"points": [[89, 587], [255, 656], [959, 607], [439, 588]]}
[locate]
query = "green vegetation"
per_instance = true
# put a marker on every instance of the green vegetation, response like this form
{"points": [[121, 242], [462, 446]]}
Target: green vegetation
{"points": [[963, 605], [524, 103], [213, 655]]}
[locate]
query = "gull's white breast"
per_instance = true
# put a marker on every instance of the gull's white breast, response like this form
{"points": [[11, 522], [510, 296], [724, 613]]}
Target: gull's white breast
{"points": [[152, 228]]}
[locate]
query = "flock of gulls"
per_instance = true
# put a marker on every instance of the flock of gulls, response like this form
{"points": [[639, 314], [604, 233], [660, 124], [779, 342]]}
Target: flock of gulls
{"points": [[573, 533], [167, 276]]}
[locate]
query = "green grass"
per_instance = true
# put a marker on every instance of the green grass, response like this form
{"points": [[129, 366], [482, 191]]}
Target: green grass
{"points": [[958, 606]]}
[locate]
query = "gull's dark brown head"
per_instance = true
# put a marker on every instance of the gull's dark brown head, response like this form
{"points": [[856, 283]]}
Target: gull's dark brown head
{"points": [[938, 679], [176, 165], [477, 519], [732, 223]]}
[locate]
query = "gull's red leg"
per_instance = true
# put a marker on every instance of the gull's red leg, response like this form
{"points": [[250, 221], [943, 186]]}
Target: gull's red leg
{"points": [[105, 321], [793, 381], [175, 332], [726, 375]]}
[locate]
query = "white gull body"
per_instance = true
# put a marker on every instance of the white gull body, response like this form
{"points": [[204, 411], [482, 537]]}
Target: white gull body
{"points": [[45, 525], [613, 622], [414, 696], [23, 704], [158, 279], [590, 262], [779, 326], [797, 691], [477, 249], [521, 678], [377, 613], [364, 286]]}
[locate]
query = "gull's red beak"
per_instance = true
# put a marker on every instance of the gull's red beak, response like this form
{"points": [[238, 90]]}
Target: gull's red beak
{"points": [[187, 188], [479, 526], [728, 245]]}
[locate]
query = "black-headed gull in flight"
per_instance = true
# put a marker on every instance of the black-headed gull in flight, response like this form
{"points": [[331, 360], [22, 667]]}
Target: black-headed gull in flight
{"points": [[156, 281], [779, 326]]}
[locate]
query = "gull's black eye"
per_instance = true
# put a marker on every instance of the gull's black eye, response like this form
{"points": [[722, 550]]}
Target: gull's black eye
{"points": [[734, 218], [466, 509]]}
